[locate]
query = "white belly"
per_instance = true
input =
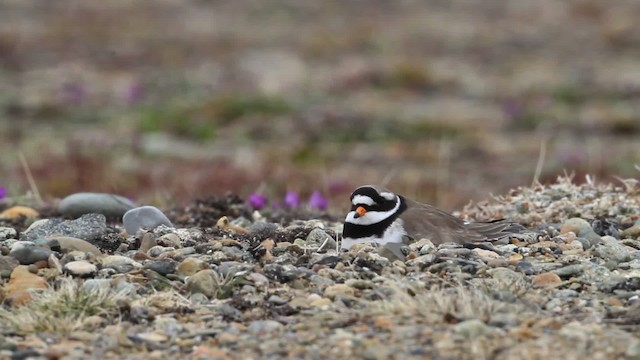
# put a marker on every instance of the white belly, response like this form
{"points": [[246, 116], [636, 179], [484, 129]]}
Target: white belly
{"points": [[393, 234]]}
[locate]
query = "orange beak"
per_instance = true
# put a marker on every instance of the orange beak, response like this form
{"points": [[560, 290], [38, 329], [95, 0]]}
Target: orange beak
{"points": [[360, 211]]}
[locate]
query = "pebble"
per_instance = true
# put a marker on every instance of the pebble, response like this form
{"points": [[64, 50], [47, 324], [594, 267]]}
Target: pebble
{"points": [[260, 327], [162, 267], [569, 271], [144, 217], [68, 244], [88, 227], [17, 212], [30, 254], [121, 264], [612, 249], [632, 232], [546, 279], [109, 205], [472, 328], [191, 265], [337, 290], [7, 233], [320, 240], [80, 268], [8, 263]]}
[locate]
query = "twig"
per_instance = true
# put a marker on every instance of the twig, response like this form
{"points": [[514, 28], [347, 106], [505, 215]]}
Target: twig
{"points": [[32, 183]]}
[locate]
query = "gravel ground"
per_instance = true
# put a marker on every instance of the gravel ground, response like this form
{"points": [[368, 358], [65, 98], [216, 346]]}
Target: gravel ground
{"points": [[271, 284]]}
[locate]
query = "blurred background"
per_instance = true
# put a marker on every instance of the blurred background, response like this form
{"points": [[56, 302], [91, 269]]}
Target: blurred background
{"points": [[446, 101]]}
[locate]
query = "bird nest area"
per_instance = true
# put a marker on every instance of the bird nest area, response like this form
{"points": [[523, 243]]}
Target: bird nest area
{"points": [[231, 282]]}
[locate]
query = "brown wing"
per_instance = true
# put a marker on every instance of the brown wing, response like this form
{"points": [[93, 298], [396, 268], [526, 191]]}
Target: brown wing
{"points": [[426, 221]]}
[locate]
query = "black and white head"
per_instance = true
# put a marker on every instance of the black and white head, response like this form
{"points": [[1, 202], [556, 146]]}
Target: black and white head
{"points": [[374, 217]]}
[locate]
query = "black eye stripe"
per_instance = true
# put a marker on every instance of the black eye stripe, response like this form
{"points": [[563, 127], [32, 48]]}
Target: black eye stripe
{"points": [[380, 203]]}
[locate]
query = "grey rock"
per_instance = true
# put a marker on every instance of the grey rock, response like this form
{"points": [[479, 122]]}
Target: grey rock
{"points": [[570, 270], [423, 261], [263, 228], [109, 205], [80, 268], [30, 254], [144, 217], [162, 267], [7, 233], [506, 275], [96, 284], [8, 263], [264, 327], [319, 239], [121, 264], [611, 249], [87, 227], [277, 300], [158, 250], [471, 328]]}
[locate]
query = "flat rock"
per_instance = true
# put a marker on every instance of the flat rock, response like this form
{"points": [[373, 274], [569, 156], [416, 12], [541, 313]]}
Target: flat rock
{"points": [[68, 244], [16, 212], [80, 268], [144, 217], [87, 227], [109, 205]]}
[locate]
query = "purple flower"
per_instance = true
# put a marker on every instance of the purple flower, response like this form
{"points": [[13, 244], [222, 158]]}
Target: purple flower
{"points": [[134, 93], [74, 93], [291, 199], [318, 201], [3, 192], [257, 201]]}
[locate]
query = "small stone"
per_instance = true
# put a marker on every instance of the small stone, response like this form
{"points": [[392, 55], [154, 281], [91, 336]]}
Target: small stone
{"points": [[546, 279], [170, 240], [471, 328], [612, 249], [21, 281], [121, 264], [515, 258], [259, 327], [148, 241], [144, 217], [30, 254], [96, 284], [190, 266], [336, 290], [54, 263], [486, 254], [569, 271], [7, 233], [631, 233], [17, 212], [8, 263], [162, 267], [80, 268], [109, 205], [319, 239], [68, 244], [277, 300]]}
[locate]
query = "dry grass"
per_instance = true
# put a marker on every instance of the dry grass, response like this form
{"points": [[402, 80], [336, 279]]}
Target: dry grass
{"points": [[457, 301], [62, 309]]}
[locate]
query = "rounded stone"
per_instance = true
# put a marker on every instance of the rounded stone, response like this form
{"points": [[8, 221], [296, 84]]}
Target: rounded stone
{"points": [[30, 254], [80, 268], [144, 217], [109, 205]]}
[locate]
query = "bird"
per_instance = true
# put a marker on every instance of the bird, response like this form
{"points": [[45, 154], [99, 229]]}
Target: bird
{"points": [[380, 216]]}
